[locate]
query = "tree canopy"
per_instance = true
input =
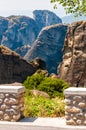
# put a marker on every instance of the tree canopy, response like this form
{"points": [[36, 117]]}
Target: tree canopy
{"points": [[77, 7]]}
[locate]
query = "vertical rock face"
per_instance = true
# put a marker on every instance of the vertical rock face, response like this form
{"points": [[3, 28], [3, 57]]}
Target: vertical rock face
{"points": [[3, 26], [45, 18], [21, 31], [48, 46], [13, 68], [73, 67]]}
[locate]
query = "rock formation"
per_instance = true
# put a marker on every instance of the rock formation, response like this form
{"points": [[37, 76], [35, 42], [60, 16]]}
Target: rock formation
{"points": [[3, 26], [18, 31], [73, 67], [45, 18], [13, 68], [48, 46]]}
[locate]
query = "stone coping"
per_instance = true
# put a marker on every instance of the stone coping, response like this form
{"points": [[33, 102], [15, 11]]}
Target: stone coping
{"points": [[75, 91], [12, 89]]}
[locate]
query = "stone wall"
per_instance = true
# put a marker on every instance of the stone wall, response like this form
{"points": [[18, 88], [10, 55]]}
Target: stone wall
{"points": [[75, 110], [11, 103]]}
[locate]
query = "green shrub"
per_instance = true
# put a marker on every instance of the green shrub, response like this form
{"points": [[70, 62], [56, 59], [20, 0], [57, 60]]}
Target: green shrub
{"points": [[33, 81], [54, 87]]}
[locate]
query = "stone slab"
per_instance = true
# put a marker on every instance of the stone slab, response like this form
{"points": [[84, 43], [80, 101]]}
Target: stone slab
{"points": [[75, 91], [12, 89], [39, 124]]}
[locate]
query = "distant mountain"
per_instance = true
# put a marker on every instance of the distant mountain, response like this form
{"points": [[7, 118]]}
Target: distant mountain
{"points": [[48, 46], [71, 19], [19, 32], [45, 18]]}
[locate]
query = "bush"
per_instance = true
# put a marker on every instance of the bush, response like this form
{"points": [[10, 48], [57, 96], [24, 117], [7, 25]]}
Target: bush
{"points": [[54, 87], [33, 81]]}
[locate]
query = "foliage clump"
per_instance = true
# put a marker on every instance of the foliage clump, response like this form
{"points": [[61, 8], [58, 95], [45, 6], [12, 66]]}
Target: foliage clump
{"points": [[53, 86], [43, 107], [77, 7]]}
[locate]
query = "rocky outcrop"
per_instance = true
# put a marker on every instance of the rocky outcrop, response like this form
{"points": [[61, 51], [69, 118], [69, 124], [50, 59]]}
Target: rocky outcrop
{"points": [[3, 26], [23, 50], [48, 46], [45, 18], [21, 30], [39, 93], [13, 68], [39, 63], [73, 66]]}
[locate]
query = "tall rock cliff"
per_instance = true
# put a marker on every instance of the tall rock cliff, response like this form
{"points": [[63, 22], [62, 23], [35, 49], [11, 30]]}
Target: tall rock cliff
{"points": [[3, 26], [45, 18], [48, 46], [18, 31], [13, 68], [73, 67]]}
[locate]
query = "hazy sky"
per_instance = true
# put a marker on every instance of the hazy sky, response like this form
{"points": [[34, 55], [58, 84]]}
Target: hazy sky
{"points": [[24, 7]]}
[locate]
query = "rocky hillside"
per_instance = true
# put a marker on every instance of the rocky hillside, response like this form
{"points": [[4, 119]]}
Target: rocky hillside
{"points": [[13, 68], [48, 46], [19, 32], [73, 66], [45, 18]]}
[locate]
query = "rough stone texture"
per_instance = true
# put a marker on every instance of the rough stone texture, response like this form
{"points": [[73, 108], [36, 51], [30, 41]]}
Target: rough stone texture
{"points": [[39, 93], [12, 105], [45, 18], [75, 110], [73, 67], [48, 46], [13, 68], [19, 32]]}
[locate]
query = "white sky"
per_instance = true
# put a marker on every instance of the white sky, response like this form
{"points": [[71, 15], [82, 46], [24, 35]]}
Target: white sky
{"points": [[24, 7]]}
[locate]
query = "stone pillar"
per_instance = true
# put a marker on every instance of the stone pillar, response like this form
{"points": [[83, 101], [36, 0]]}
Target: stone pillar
{"points": [[75, 110], [11, 102]]}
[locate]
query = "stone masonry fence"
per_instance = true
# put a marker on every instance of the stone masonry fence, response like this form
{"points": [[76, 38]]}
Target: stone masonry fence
{"points": [[11, 103], [75, 110]]}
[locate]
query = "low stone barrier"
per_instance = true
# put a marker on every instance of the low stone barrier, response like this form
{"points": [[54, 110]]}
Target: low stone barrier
{"points": [[75, 110], [11, 102]]}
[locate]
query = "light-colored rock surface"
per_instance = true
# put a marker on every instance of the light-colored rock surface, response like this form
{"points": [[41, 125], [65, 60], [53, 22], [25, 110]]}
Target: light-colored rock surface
{"points": [[11, 89], [73, 67]]}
